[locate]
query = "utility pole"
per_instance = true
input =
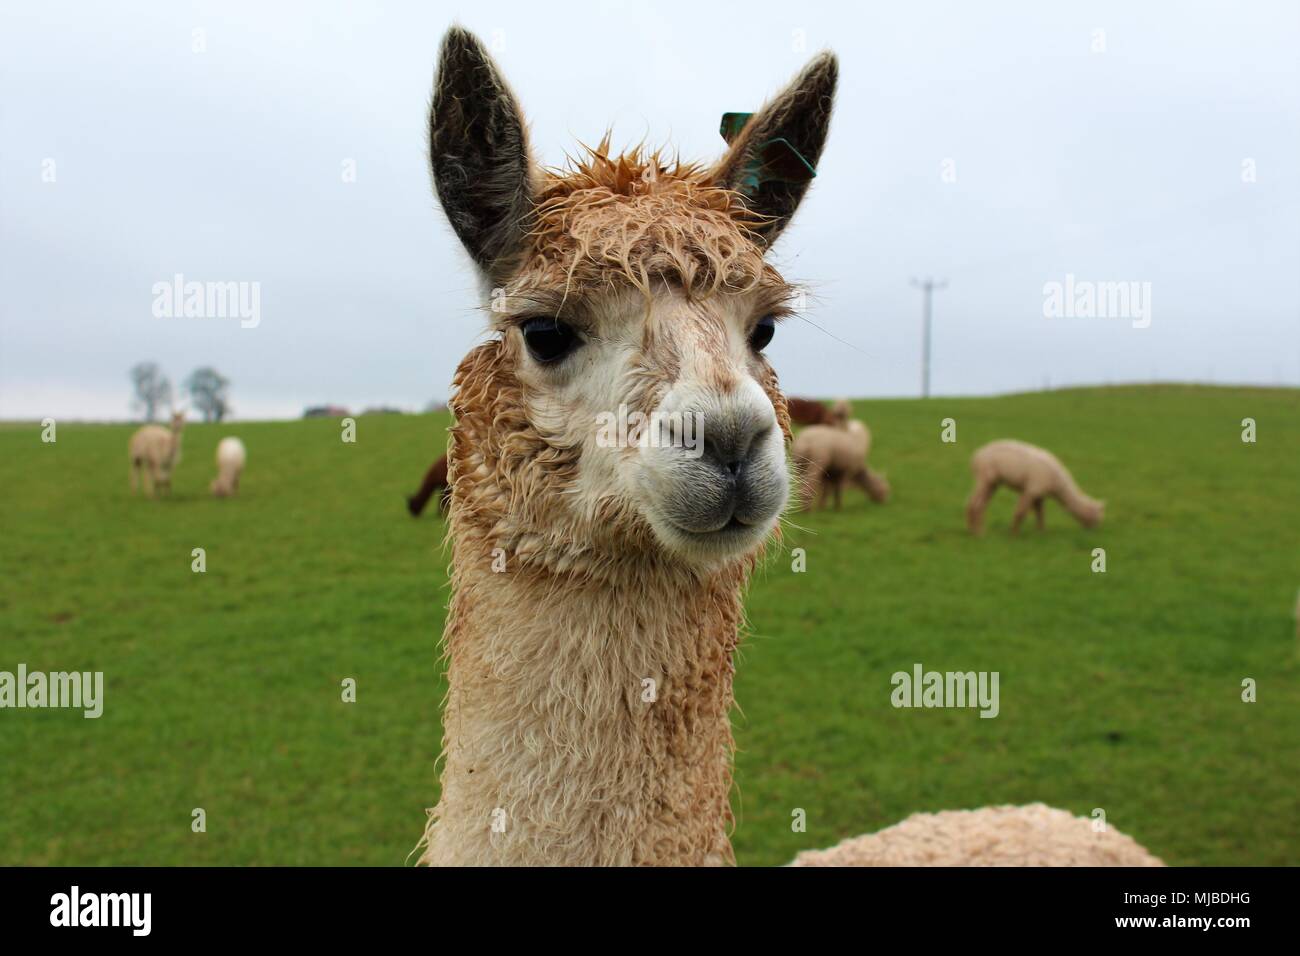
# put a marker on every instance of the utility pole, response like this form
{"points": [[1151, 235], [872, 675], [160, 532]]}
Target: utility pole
{"points": [[928, 286]]}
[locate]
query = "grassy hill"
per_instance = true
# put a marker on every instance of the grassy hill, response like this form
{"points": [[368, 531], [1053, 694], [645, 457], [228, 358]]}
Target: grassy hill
{"points": [[1119, 691]]}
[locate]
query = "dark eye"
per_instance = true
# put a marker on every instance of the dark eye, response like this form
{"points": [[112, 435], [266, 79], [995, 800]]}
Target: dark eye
{"points": [[549, 340], [762, 334]]}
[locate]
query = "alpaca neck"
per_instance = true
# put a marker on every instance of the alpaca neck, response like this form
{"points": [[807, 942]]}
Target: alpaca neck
{"points": [[1076, 502], [586, 722]]}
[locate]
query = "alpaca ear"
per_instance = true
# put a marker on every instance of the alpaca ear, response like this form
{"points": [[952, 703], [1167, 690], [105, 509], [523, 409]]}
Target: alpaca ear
{"points": [[774, 156], [478, 151]]}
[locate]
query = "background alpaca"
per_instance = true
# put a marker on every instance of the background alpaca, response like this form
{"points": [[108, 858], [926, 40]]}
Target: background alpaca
{"points": [[596, 591], [806, 411], [840, 412], [155, 452], [1037, 474], [1034, 835], [230, 465], [831, 456], [435, 479]]}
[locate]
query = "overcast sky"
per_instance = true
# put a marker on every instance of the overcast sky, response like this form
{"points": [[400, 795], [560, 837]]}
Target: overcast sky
{"points": [[1002, 146]]}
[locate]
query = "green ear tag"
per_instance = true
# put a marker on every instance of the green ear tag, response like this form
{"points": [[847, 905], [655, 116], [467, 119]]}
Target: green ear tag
{"points": [[732, 124], [775, 161]]}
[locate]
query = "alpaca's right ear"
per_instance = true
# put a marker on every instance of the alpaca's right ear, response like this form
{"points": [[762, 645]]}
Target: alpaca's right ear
{"points": [[478, 151]]}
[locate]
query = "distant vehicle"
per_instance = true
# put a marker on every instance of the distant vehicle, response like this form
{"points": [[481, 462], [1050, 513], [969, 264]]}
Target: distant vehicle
{"points": [[326, 411]]}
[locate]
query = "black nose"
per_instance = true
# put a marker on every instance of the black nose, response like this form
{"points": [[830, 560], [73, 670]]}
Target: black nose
{"points": [[732, 449], [727, 478]]}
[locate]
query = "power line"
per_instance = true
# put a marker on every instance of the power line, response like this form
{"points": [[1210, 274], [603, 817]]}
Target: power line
{"points": [[927, 286]]}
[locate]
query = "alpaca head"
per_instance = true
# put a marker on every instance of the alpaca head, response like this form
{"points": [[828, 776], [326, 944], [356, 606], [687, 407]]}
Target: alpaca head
{"points": [[178, 420], [624, 405], [1092, 513], [873, 483]]}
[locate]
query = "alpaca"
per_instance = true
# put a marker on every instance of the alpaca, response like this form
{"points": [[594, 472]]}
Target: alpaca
{"points": [[230, 465], [1037, 474], [435, 479], [1034, 835], [832, 456], [155, 452], [839, 413], [596, 587], [806, 411]]}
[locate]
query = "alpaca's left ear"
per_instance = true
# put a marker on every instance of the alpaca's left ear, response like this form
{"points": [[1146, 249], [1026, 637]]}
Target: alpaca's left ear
{"points": [[788, 132]]}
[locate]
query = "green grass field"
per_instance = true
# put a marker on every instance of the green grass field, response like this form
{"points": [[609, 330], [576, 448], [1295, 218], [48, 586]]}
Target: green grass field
{"points": [[1119, 690]]}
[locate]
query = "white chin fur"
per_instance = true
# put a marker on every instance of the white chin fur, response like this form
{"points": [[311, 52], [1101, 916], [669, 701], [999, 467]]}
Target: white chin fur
{"points": [[710, 547]]}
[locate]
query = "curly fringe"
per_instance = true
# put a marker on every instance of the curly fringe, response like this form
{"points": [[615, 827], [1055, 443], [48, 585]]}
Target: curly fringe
{"points": [[639, 217]]}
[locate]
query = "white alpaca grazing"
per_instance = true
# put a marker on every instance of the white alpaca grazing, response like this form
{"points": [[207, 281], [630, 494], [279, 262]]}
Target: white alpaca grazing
{"points": [[230, 465], [832, 456], [1034, 472]]}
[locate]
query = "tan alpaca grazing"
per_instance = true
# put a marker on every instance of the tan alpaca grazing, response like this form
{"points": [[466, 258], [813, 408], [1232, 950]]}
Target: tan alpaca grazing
{"points": [[231, 457], [154, 453], [829, 457], [1034, 472], [596, 586]]}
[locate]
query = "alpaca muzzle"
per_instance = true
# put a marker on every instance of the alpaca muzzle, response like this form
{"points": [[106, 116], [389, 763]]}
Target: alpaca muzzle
{"points": [[725, 498]]}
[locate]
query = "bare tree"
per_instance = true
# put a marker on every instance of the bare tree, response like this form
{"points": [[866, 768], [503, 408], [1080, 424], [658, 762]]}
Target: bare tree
{"points": [[207, 390], [152, 389]]}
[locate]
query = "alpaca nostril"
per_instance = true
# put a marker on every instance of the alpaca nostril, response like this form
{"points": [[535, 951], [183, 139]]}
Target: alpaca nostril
{"points": [[734, 450]]}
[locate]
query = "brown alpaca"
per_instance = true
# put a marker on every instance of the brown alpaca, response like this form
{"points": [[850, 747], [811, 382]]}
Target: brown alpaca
{"points": [[1037, 474], [595, 590], [435, 479], [806, 411], [829, 457], [155, 452], [596, 585]]}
